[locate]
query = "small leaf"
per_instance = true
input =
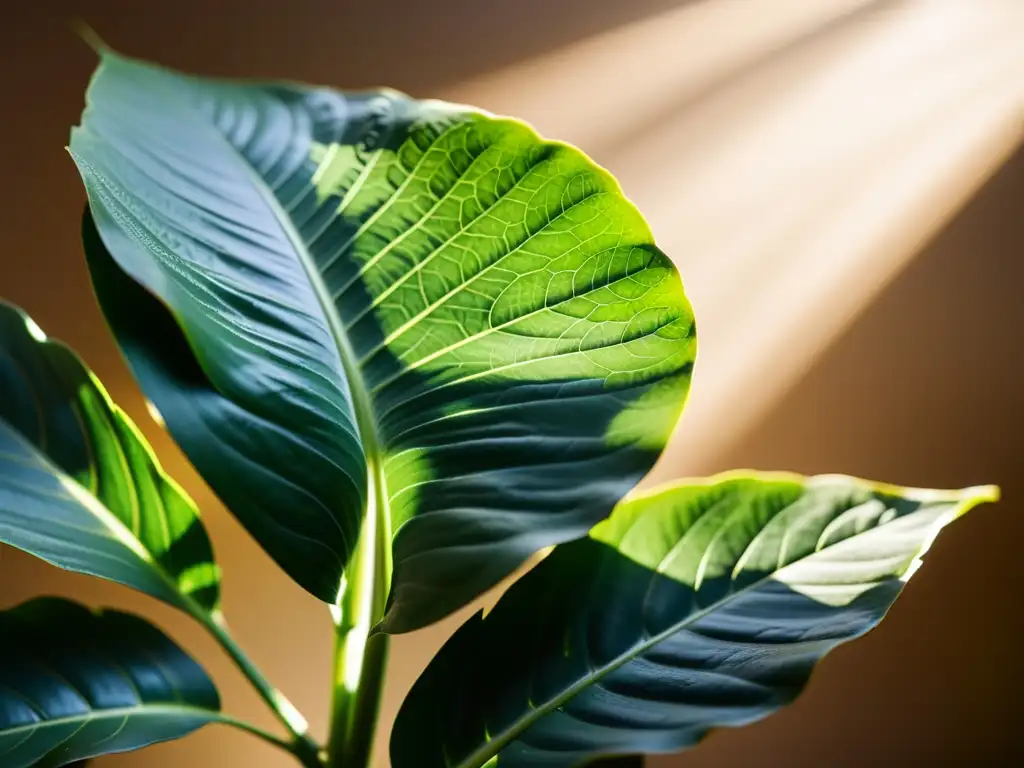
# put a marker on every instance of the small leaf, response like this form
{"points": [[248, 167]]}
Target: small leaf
{"points": [[75, 684], [696, 606], [369, 317], [79, 486]]}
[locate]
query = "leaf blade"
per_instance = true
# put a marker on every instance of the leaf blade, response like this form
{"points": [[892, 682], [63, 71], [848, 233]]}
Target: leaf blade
{"points": [[480, 281], [76, 684], [79, 486], [690, 608]]}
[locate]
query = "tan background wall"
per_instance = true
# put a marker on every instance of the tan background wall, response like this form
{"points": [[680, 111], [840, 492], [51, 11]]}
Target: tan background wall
{"points": [[915, 374]]}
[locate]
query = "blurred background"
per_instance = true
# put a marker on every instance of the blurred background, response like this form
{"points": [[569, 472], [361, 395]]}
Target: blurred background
{"points": [[841, 184]]}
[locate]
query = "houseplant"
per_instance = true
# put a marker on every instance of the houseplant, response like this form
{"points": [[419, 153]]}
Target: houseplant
{"points": [[409, 345]]}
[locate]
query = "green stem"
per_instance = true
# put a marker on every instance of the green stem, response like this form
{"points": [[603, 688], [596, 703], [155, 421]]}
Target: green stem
{"points": [[360, 659], [258, 732], [355, 712], [301, 745]]}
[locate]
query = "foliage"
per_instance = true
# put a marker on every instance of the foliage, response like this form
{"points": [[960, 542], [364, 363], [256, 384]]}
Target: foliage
{"points": [[409, 344]]}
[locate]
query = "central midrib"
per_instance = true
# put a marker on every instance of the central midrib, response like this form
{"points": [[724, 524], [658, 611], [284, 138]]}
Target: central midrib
{"points": [[366, 423], [143, 710], [493, 748]]}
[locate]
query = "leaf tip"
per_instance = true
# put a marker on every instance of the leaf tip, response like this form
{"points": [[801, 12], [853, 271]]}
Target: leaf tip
{"points": [[90, 37], [967, 499], [977, 495]]}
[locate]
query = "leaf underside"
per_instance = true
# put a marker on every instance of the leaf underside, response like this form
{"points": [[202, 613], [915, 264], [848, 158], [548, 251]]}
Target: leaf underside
{"points": [[357, 305], [698, 606], [79, 486], [76, 684]]}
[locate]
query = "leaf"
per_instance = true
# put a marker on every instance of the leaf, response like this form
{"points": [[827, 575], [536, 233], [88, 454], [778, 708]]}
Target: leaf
{"points": [[362, 311], [76, 684], [79, 486], [699, 605]]}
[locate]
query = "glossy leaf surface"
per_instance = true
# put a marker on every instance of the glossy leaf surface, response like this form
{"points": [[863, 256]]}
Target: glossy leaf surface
{"points": [[362, 306], [75, 684], [79, 486], [693, 607]]}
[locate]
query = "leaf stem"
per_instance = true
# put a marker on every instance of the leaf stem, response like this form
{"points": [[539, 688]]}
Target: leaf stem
{"points": [[301, 744], [256, 731], [288, 746]]}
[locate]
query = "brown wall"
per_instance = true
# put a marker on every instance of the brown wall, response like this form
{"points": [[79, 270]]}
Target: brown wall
{"points": [[926, 388]]}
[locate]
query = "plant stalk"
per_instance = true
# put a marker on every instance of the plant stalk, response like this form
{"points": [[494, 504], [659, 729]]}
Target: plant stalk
{"points": [[360, 658], [355, 712]]}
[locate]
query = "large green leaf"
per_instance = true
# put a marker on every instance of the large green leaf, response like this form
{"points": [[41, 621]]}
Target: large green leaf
{"points": [[692, 607], [361, 303], [79, 486], [75, 684]]}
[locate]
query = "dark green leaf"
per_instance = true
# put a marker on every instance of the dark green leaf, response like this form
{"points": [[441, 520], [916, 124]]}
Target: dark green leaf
{"points": [[76, 684], [352, 303], [79, 486], [697, 606]]}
